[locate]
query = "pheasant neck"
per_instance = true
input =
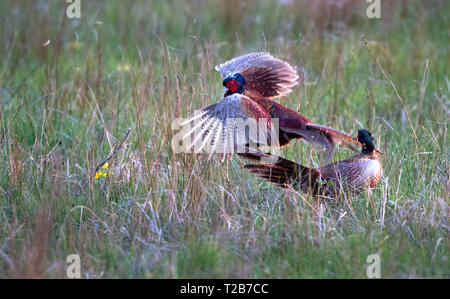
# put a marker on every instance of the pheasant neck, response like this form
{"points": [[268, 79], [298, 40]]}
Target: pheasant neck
{"points": [[368, 148]]}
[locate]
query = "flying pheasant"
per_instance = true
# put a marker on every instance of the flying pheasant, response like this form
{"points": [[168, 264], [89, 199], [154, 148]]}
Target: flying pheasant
{"points": [[355, 174], [251, 81]]}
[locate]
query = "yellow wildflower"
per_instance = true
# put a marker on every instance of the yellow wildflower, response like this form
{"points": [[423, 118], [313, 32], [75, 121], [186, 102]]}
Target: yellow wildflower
{"points": [[124, 67], [98, 174], [75, 45]]}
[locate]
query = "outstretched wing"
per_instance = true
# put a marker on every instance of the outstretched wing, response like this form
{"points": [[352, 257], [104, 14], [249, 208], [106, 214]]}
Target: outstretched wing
{"points": [[334, 136], [227, 127], [265, 76], [240, 63], [317, 135], [294, 125]]}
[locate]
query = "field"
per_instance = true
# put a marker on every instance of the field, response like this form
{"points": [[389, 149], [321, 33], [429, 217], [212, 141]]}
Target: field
{"points": [[66, 103]]}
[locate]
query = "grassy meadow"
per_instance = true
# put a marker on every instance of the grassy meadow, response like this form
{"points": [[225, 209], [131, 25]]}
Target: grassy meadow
{"points": [[141, 64]]}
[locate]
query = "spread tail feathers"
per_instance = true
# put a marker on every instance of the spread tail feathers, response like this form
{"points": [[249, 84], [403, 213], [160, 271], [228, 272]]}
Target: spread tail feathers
{"points": [[282, 172]]}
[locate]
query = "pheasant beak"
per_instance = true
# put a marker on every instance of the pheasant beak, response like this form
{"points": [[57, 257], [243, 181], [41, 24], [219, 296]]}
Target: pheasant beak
{"points": [[380, 153]]}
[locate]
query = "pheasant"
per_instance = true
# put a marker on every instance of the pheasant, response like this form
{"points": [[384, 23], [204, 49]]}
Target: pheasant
{"points": [[251, 82], [360, 172]]}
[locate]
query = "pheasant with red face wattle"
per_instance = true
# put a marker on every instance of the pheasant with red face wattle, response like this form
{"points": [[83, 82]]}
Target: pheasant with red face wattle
{"points": [[360, 172], [234, 84], [251, 81]]}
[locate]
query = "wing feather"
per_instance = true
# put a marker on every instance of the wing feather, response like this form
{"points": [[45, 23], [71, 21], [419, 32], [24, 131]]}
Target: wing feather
{"points": [[336, 136], [217, 128], [240, 63]]}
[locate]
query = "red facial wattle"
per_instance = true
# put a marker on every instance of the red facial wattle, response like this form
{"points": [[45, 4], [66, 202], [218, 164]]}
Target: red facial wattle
{"points": [[232, 85]]}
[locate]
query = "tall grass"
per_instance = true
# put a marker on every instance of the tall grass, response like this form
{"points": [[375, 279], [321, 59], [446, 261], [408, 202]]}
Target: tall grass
{"points": [[139, 65]]}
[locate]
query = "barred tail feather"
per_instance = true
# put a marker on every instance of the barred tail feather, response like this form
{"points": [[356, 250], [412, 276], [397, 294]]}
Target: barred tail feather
{"points": [[282, 172]]}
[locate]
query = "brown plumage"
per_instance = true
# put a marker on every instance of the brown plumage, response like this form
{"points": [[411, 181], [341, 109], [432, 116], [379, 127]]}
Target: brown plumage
{"points": [[266, 77], [252, 80], [293, 125], [355, 174]]}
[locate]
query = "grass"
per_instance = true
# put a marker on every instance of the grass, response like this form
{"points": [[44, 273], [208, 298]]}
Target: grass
{"points": [[141, 64]]}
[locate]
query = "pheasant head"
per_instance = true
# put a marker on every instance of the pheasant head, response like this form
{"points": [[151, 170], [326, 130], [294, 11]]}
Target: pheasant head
{"points": [[366, 140], [234, 84]]}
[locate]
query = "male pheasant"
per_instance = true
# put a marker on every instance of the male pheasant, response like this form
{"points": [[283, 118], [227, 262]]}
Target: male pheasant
{"points": [[355, 174], [251, 81]]}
